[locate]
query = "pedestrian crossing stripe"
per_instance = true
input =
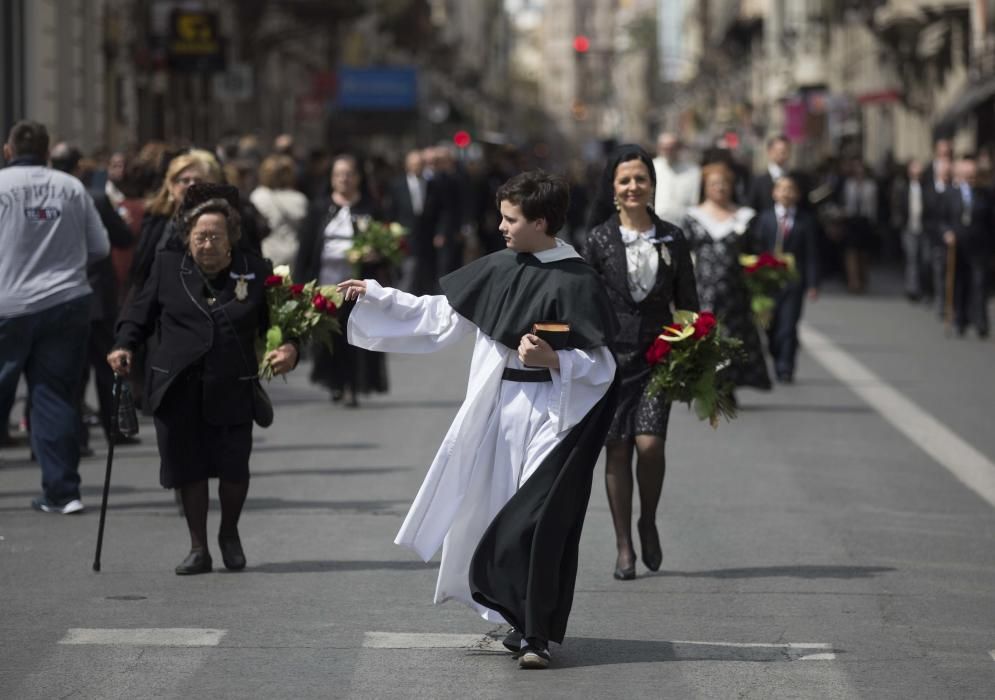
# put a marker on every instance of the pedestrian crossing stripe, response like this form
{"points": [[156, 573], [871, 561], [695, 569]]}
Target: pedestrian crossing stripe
{"points": [[788, 651], [145, 636]]}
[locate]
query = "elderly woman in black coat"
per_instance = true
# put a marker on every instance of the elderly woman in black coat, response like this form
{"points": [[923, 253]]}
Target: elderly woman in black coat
{"points": [[207, 307]]}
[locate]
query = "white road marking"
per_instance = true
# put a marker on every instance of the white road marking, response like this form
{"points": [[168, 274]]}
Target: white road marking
{"points": [[820, 651], [409, 640], [759, 645], [962, 460], [828, 655], [145, 637]]}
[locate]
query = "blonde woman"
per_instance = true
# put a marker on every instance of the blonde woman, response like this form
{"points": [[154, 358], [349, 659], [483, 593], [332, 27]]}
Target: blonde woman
{"points": [[283, 207], [194, 166]]}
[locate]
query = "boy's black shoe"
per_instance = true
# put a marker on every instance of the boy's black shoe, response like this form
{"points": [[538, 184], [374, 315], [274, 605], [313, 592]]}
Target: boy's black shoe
{"points": [[513, 642]]}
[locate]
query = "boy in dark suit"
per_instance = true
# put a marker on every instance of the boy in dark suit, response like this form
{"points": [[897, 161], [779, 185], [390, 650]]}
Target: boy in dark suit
{"points": [[787, 228]]}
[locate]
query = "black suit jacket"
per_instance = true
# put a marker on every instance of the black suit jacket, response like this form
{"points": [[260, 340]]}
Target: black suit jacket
{"points": [[215, 342], [640, 322], [761, 191], [932, 207], [802, 241], [973, 228], [401, 209], [442, 213]]}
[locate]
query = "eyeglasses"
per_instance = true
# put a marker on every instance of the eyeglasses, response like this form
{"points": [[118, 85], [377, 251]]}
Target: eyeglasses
{"points": [[201, 241], [188, 180]]}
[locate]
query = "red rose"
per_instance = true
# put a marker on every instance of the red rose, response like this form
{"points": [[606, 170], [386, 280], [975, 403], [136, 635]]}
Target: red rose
{"points": [[402, 245], [273, 281], [296, 289], [330, 307], [320, 303], [704, 324], [658, 351], [768, 260]]}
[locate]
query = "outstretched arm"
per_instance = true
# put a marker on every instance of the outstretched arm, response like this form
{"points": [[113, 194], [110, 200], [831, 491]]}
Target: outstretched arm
{"points": [[389, 320]]}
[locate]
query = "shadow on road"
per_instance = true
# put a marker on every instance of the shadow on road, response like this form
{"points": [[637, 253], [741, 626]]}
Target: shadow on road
{"points": [[326, 471], [304, 567], [802, 408], [369, 507], [811, 572], [587, 651], [421, 403]]}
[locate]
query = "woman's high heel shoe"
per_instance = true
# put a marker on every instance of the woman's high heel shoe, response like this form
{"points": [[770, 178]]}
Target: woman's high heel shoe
{"points": [[649, 538], [625, 573]]}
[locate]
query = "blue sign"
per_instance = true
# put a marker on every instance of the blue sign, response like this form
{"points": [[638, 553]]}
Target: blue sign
{"points": [[377, 89]]}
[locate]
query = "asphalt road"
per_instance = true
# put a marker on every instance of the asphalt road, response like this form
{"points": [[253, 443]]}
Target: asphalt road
{"points": [[812, 549]]}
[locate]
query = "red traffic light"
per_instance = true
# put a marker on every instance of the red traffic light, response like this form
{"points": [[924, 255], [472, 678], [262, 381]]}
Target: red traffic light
{"points": [[581, 43], [462, 139]]}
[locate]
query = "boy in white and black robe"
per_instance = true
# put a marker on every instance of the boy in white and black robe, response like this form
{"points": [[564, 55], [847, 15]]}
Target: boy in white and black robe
{"points": [[506, 495]]}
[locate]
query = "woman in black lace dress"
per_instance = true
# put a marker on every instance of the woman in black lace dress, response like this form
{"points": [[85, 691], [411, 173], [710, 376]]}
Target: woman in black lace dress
{"points": [[646, 266], [719, 232]]}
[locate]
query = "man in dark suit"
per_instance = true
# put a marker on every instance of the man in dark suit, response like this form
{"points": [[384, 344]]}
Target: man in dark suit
{"points": [[787, 228], [761, 190], [968, 217], [406, 207], [437, 241]]}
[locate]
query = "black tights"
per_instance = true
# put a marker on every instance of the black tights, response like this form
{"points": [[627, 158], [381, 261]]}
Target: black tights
{"points": [[651, 465], [195, 499]]}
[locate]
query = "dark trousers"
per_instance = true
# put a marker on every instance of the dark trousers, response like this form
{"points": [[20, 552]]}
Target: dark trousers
{"points": [[49, 347], [938, 256], [971, 291], [783, 333]]}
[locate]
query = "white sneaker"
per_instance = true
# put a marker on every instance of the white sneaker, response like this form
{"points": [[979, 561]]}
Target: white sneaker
{"points": [[74, 506], [47, 506]]}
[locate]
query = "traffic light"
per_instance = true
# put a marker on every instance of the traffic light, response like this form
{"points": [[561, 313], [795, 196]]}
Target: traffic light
{"points": [[581, 43], [462, 139]]}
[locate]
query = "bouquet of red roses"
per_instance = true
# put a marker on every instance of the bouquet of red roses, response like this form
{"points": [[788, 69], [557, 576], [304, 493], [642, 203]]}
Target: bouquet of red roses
{"points": [[766, 275], [301, 311], [376, 241], [686, 359]]}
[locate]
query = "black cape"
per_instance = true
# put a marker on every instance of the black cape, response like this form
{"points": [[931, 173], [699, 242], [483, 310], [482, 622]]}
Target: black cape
{"points": [[525, 565], [504, 293]]}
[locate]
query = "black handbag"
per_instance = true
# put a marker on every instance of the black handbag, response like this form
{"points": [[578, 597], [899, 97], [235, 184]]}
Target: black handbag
{"points": [[127, 417], [262, 407]]}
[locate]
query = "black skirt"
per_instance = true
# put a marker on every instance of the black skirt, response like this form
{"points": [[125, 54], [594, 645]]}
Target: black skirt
{"points": [[190, 448], [347, 367]]}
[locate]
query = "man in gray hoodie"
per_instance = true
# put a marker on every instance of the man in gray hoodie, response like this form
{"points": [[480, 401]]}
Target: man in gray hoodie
{"points": [[49, 232]]}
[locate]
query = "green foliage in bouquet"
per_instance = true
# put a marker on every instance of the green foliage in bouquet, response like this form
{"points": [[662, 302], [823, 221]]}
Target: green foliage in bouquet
{"points": [[687, 359], [375, 241], [301, 311]]}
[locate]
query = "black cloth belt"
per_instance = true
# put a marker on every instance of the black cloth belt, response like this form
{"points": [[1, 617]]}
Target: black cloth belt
{"points": [[526, 375]]}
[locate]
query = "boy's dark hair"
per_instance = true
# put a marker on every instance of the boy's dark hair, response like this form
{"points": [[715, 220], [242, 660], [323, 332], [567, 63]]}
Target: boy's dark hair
{"points": [[29, 138], [540, 196]]}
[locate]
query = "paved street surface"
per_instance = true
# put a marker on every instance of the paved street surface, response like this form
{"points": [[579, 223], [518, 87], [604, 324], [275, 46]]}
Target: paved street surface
{"points": [[825, 545]]}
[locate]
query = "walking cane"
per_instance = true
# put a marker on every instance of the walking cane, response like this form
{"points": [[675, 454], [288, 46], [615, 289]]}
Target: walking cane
{"points": [[948, 306], [118, 382]]}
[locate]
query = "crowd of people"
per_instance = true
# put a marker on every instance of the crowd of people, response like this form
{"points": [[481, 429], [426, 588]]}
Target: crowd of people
{"points": [[116, 265]]}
